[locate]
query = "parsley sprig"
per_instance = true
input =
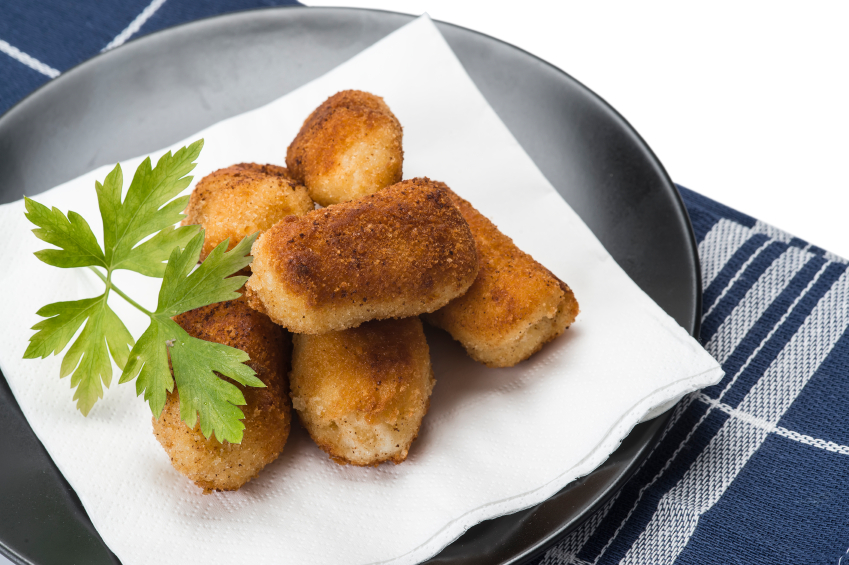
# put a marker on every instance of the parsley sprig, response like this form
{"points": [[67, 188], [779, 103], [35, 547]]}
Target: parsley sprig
{"points": [[139, 234]]}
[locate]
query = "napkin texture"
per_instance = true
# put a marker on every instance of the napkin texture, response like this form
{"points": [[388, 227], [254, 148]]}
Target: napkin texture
{"points": [[495, 440]]}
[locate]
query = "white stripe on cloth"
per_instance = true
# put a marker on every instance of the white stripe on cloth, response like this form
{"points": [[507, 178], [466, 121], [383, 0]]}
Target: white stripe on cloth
{"points": [[772, 232], [135, 25], [736, 277], [567, 550], [678, 512], [768, 337], [773, 394], [815, 442], [719, 245], [779, 235], [771, 428], [751, 307], [834, 258], [28, 60]]}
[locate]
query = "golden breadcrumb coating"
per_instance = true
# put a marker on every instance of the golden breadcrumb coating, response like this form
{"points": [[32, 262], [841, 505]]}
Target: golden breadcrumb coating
{"points": [[213, 465], [240, 200], [362, 392], [349, 147], [515, 305], [395, 254]]}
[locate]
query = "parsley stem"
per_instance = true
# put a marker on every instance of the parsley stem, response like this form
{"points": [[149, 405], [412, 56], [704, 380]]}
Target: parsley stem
{"points": [[111, 286]]}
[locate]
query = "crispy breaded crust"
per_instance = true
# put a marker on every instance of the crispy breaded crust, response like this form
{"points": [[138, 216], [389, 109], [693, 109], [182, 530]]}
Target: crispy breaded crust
{"points": [[213, 465], [395, 254], [349, 147], [515, 305], [267, 169], [240, 200], [362, 392]]}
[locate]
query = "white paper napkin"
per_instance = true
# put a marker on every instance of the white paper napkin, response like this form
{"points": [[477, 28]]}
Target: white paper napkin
{"points": [[495, 440]]}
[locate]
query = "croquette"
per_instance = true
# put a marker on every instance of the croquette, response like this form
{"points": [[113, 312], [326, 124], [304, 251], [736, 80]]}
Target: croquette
{"points": [[395, 254], [349, 147], [217, 466], [362, 392], [243, 199], [515, 305]]}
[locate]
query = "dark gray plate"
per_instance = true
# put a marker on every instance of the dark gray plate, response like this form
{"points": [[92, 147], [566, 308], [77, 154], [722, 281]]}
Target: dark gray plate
{"points": [[162, 88]]}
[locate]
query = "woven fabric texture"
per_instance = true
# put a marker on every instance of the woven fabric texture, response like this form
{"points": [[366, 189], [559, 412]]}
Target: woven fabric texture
{"points": [[752, 470]]}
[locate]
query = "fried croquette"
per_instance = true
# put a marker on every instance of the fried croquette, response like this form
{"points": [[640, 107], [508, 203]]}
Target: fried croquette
{"points": [[240, 200], [349, 147], [216, 466], [395, 254], [362, 392], [515, 305]]}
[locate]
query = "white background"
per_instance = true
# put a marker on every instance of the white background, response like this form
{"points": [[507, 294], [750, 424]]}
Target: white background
{"points": [[744, 102], [747, 103]]}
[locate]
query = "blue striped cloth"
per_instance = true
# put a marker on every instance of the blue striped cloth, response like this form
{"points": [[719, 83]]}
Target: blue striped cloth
{"points": [[752, 470], [40, 39]]}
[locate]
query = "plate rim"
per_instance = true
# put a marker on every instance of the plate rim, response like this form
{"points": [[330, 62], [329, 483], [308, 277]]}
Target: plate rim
{"points": [[534, 550]]}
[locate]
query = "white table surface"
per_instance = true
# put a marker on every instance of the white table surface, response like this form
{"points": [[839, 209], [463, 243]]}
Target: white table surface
{"points": [[747, 103], [744, 102]]}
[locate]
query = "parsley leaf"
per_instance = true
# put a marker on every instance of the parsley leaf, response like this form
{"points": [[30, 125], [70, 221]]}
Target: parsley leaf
{"points": [[183, 289], [87, 358], [71, 233], [195, 362], [202, 391], [139, 234], [147, 209]]}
